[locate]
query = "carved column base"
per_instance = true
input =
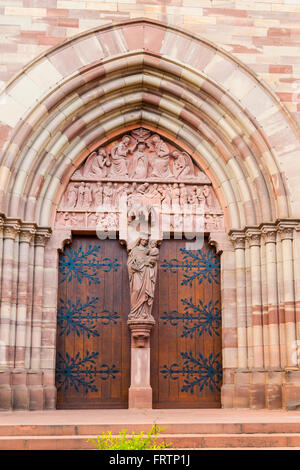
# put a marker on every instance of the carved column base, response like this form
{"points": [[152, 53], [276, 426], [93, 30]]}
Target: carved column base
{"points": [[35, 387], [140, 391], [20, 395], [5, 390]]}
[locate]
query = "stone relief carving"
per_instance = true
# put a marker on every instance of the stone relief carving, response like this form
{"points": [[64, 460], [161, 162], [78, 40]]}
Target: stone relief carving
{"points": [[140, 172], [142, 270], [139, 155]]}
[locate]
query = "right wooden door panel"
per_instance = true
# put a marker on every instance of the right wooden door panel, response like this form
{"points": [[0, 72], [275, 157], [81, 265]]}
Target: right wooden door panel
{"points": [[186, 365]]}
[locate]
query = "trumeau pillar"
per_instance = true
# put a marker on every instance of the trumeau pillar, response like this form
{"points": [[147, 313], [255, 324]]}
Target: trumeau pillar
{"points": [[142, 269], [20, 393]]}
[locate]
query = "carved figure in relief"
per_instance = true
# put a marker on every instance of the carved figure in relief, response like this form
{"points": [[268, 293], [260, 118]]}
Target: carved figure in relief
{"points": [[80, 199], [209, 200], [71, 195], [200, 196], [175, 196], [131, 194], [111, 221], [183, 166], [118, 157], [192, 197], [154, 192], [142, 189], [98, 195], [96, 164], [183, 198], [166, 198], [140, 162], [142, 270], [87, 196], [161, 158], [92, 219], [107, 194]]}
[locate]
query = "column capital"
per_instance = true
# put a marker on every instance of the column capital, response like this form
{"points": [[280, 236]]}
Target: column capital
{"points": [[269, 233], [11, 228], [253, 237], [140, 332], [286, 230], [27, 231], [238, 239], [42, 235]]}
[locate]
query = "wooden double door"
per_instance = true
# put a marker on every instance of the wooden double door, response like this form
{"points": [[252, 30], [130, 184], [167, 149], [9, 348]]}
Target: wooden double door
{"points": [[93, 343]]}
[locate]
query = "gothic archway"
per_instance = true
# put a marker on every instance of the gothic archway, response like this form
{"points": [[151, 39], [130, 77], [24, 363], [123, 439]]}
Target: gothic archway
{"points": [[143, 73]]}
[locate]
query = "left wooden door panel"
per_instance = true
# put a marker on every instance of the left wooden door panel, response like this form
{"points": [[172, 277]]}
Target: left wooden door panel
{"points": [[93, 343]]}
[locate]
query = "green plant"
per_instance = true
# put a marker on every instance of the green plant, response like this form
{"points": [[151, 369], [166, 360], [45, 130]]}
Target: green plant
{"points": [[135, 441]]}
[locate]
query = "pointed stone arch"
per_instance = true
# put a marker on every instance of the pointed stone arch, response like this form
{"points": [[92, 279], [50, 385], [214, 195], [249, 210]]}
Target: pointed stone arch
{"points": [[90, 88]]}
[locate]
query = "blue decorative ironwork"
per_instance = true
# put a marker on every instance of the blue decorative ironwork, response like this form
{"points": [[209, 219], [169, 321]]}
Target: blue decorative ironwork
{"points": [[81, 317], [196, 318], [196, 264], [82, 372], [198, 372], [75, 264]]}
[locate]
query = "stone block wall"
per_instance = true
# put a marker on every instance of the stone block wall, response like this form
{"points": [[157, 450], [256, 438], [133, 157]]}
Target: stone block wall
{"points": [[263, 34]]}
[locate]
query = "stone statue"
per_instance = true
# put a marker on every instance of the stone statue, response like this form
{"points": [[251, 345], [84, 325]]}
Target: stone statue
{"points": [[142, 269]]}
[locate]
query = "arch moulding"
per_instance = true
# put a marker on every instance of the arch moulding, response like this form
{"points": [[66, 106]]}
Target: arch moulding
{"points": [[89, 91]]}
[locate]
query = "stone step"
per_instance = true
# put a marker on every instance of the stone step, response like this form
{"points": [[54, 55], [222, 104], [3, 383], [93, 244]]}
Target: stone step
{"points": [[168, 428], [179, 441]]}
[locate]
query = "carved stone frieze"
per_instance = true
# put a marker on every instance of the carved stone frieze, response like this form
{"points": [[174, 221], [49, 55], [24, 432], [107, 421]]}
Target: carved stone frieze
{"points": [[139, 155], [140, 174]]}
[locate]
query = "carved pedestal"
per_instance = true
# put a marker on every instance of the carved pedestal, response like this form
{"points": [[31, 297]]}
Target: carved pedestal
{"points": [[140, 391]]}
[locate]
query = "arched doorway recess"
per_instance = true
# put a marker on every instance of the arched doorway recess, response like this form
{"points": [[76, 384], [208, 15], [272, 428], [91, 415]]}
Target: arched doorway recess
{"points": [[97, 86]]}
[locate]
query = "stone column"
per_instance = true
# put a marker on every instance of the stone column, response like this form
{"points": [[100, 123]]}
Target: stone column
{"points": [[286, 235], [291, 385], [35, 374], [239, 246], [253, 237], [257, 388], [273, 386], [19, 374], [140, 391], [242, 376], [11, 228]]}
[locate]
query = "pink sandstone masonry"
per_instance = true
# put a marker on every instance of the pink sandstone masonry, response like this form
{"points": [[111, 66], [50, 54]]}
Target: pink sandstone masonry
{"points": [[264, 34], [228, 98]]}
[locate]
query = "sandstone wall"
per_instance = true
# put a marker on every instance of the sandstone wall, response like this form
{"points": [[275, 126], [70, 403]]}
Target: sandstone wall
{"points": [[264, 34]]}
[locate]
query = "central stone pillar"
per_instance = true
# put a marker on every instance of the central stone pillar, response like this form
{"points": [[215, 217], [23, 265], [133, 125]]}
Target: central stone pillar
{"points": [[140, 391], [142, 269]]}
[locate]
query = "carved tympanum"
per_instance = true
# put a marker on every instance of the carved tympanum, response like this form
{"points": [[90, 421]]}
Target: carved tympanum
{"points": [[139, 172], [139, 155]]}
